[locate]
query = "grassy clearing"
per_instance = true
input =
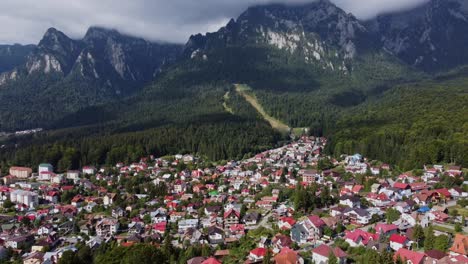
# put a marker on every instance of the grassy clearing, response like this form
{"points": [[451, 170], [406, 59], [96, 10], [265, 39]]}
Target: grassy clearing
{"points": [[226, 107], [461, 211], [245, 91], [443, 229]]}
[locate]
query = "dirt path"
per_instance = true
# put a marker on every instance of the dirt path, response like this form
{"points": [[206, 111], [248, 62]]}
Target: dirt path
{"points": [[275, 123]]}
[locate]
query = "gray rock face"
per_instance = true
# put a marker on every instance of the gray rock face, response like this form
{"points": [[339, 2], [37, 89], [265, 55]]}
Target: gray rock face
{"points": [[321, 33], [432, 37], [102, 55]]}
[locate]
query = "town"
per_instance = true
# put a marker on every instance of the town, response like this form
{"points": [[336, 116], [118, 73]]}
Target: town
{"points": [[290, 205]]}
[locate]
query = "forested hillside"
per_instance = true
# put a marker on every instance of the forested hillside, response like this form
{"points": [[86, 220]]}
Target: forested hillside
{"points": [[311, 66], [410, 125]]}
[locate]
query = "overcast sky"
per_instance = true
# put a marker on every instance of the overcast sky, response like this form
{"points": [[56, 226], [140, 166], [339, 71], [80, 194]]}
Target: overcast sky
{"points": [[25, 21]]}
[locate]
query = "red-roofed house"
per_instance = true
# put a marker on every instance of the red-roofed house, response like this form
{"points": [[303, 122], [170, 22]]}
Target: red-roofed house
{"points": [[315, 224], [386, 229], [211, 261], [359, 237], [286, 223], [401, 186], [231, 217], [160, 228], [357, 189], [257, 254], [418, 186], [408, 256], [321, 253], [398, 241]]}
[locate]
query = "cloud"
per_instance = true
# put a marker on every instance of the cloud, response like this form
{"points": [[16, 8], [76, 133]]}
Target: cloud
{"points": [[25, 21]]}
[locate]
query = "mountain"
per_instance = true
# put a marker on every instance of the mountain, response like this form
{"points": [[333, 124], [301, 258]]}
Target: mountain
{"points": [[360, 83], [12, 56], [104, 55], [319, 34], [61, 75], [432, 37]]}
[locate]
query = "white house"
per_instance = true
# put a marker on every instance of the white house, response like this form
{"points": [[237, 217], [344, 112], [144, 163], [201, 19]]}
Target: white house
{"points": [[30, 199], [89, 170], [107, 226], [186, 224]]}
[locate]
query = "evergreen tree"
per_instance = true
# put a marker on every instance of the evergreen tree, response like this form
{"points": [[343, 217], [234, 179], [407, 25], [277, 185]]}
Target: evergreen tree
{"points": [[418, 233], [429, 239], [332, 259], [392, 215], [441, 243], [267, 257], [386, 258]]}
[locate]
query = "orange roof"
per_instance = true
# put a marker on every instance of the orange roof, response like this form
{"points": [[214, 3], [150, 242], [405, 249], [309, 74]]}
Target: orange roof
{"points": [[289, 257], [460, 244]]}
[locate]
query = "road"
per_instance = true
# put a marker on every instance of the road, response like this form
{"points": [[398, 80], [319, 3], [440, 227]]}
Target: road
{"points": [[263, 223]]}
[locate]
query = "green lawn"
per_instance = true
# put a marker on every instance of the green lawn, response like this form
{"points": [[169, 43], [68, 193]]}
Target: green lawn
{"points": [[461, 211]]}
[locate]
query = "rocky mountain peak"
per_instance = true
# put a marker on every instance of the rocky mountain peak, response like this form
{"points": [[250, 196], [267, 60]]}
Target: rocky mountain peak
{"points": [[429, 36], [100, 33]]}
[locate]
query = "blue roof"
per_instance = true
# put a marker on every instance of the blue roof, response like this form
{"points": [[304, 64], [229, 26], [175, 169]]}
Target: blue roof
{"points": [[424, 209]]}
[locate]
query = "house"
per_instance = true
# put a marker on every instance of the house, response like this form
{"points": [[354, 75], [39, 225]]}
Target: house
{"points": [[310, 176], [179, 186], [30, 199], [211, 261], [458, 192], [196, 260], [375, 187], [158, 216], [231, 217], [316, 225], [321, 254], [45, 230], [358, 216], [386, 229], [281, 241], [237, 230], [185, 224], [435, 254], [359, 237], [286, 223], [16, 242], [438, 216], [350, 201], [257, 254], [215, 209], [21, 172], [159, 228], [34, 258], [107, 227], [109, 199], [398, 241], [408, 256], [299, 233], [460, 245], [52, 196], [73, 175], [288, 256], [45, 167], [78, 200], [118, 212], [215, 235], [90, 170], [251, 219]]}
